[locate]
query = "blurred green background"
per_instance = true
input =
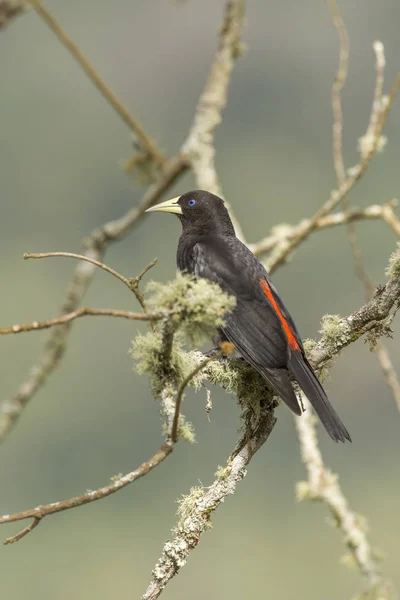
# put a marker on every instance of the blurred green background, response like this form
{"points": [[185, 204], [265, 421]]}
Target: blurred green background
{"points": [[61, 148]]}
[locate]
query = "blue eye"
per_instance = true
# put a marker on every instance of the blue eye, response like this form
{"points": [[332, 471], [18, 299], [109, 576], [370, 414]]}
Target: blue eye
{"points": [[192, 202]]}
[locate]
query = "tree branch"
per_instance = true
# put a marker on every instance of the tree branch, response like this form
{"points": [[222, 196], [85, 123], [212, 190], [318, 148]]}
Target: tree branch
{"points": [[144, 142], [323, 485], [119, 482], [199, 146], [282, 234], [283, 251], [76, 314], [365, 143], [95, 246], [10, 9], [197, 508], [113, 231]]}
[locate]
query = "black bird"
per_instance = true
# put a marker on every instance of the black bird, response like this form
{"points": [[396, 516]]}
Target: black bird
{"points": [[260, 326]]}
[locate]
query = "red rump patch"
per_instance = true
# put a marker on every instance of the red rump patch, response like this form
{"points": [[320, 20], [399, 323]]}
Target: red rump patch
{"points": [[289, 333]]}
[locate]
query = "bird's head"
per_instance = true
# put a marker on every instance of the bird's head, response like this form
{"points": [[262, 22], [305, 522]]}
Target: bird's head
{"points": [[199, 211]]}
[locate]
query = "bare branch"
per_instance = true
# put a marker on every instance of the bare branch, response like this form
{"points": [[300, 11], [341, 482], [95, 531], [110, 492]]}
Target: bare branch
{"points": [[76, 314], [144, 141], [199, 146], [80, 257], [119, 482], [284, 233], [338, 85], [389, 372], [134, 283], [372, 136]]}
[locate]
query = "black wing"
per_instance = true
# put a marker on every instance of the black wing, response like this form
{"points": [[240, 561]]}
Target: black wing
{"points": [[253, 327]]}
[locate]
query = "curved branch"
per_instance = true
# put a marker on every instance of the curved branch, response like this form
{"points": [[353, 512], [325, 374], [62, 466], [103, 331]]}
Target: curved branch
{"points": [[285, 233], [145, 143], [119, 482]]}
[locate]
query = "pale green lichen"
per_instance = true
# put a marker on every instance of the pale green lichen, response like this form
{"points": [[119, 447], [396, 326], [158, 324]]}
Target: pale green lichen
{"points": [[324, 370], [146, 350], [188, 505], [222, 473], [334, 331], [198, 306], [238, 377], [393, 268], [303, 491], [309, 345], [186, 430]]}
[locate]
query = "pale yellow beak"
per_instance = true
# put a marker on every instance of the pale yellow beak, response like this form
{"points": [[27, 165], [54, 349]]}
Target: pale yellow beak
{"points": [[169, 206]]}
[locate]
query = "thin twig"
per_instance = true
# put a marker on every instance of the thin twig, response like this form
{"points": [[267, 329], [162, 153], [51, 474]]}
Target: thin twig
{"points": [[80, 257], [134, 283], [181, 391], [40, 512], [284, 233], [199, 146], [95, 245], [76, 314], [145, 142], [389, 372]]}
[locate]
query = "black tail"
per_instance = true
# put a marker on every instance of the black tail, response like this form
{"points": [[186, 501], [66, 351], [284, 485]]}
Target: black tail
{"points": [[302, 371]]}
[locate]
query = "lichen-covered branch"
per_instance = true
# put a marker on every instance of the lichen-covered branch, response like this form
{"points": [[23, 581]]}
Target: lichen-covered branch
{"points": [[323, 485], [185, 304], [257, 412], [197, 508], [373, 318], [206, 119], [199, 146]]}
